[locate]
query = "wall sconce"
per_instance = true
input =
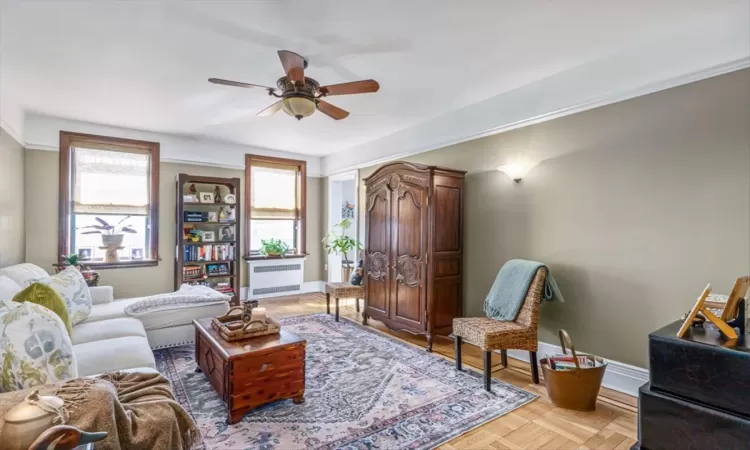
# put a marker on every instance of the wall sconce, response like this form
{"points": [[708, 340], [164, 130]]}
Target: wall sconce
{"points": [[516, 171]]}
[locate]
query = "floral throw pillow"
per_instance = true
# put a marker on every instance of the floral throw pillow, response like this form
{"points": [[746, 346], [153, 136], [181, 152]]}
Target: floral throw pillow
{"points": [[72, 287], [35, 348]]}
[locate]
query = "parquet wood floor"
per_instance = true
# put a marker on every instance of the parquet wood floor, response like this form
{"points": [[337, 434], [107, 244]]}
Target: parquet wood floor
{"points": [[537, 425]]}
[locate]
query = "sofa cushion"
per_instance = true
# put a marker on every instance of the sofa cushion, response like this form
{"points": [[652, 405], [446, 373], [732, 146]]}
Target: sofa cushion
{"points": [[110, 355], [43, 295], [22, 273], [160, 319], [8, 288], [35, 348], [107, 329], [72, 287]]}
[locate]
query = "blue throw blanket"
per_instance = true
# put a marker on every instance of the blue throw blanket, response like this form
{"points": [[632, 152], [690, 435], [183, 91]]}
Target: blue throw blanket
{"points": [[511, 285]]}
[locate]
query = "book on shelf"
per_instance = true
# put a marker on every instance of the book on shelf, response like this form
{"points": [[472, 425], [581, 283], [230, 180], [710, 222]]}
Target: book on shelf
{"points": [[209, 252]]}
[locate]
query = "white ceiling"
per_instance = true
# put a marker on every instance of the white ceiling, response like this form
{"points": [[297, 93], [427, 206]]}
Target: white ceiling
{"points": [[144, 65]]}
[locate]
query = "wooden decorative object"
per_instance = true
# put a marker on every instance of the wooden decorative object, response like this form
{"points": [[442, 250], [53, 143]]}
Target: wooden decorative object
{"points": [[228, 283], [232, 328], [413, 248], [251, 372], [701, 308]]}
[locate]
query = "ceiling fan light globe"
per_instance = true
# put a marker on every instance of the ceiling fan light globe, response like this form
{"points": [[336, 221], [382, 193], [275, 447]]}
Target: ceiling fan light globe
{"points": [[298, 107]]}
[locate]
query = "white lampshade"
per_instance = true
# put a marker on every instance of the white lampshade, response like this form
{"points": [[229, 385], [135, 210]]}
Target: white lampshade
{"points": [[516, 171], [298, 107]]}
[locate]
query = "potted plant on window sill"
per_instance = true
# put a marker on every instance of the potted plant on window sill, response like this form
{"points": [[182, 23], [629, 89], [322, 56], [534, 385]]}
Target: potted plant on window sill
{"points": [[273, 247], [112, 236], [341, 244]]}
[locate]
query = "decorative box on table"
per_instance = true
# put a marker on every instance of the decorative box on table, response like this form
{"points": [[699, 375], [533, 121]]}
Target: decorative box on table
{"points": [[698, 396]]}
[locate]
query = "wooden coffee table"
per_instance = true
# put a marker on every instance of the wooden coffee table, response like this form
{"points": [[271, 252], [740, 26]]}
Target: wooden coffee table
{"points": [[251, 372]]}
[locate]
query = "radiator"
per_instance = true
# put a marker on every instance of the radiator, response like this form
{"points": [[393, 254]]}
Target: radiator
{"points": [[274, 278]]}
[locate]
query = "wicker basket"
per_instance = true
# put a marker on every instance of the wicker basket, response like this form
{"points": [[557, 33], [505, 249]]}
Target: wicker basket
{"points": [[247, 330]]}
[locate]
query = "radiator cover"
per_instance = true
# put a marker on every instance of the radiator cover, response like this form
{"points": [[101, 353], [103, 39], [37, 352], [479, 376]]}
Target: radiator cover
{"points": [[275, 277]]}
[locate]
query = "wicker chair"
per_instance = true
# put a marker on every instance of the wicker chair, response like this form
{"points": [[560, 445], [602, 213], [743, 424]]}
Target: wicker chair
{"points": [[490, 334]]}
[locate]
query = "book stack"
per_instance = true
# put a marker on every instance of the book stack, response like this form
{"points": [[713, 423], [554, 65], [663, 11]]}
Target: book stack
{"points": [[192, 272], [195, 216], [566, 362], [224, 288]]}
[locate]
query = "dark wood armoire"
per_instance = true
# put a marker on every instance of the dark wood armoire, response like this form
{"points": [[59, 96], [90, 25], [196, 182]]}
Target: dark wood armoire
{"points": [[413, 248]]}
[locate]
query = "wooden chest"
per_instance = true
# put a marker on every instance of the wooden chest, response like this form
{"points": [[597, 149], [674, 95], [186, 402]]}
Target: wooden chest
{"points": [[251, 372]]}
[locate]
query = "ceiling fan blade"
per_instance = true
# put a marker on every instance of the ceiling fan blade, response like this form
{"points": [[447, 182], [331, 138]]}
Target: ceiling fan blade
{"points": [[271, 110], [354, 87], [334, 112], [294, 66], [236, 83]]}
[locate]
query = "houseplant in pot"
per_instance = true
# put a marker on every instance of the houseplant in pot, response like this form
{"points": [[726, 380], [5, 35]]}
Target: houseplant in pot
{"points": [[112, 235], [338, 243], [273, 247]]}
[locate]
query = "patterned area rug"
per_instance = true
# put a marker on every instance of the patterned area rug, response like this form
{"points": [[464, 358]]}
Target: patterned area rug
{"points": [[364, 390]]}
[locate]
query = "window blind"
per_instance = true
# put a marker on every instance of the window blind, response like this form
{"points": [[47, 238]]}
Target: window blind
{"points": [[110, 181], [274, 192]]}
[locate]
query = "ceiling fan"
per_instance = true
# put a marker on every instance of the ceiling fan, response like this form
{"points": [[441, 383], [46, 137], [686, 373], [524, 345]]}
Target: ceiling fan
{"points": [[301, 96]]}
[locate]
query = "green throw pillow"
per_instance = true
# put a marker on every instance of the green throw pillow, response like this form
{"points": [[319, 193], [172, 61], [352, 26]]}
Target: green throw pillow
{"points": [[43, 295]]}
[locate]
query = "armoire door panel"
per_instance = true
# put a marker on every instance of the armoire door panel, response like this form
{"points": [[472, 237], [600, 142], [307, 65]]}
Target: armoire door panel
{"points": [[378, 251], [446, 303], [447, 204], [410, 223], [378, 223], [409, 251]]}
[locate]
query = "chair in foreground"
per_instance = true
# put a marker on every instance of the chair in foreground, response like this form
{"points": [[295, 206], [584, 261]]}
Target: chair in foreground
{"points": [[491, 334]]}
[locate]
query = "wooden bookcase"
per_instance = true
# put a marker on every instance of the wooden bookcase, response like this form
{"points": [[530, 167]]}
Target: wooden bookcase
{"points": [[215, 263]]}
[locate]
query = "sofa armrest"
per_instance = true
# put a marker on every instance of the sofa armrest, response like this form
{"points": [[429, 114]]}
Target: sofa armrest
{"points": [[102, 294]]}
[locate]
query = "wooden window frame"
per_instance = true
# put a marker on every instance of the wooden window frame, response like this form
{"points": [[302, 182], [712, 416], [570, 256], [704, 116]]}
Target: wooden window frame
{"points": [[302, 170], [66, 198]]}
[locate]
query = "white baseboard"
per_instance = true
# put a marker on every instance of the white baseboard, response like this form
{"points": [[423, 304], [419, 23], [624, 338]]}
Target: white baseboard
{"points": [[307, 287], [619, 376]]}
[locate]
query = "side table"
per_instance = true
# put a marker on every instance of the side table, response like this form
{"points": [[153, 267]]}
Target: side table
{"points": [[345, 290]]}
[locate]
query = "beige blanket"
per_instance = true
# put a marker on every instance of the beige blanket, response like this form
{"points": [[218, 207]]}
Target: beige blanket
{"points": [[137, 410]]}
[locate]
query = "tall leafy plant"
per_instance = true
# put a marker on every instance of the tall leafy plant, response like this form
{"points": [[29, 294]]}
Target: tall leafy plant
{"points": [[338, 243]]}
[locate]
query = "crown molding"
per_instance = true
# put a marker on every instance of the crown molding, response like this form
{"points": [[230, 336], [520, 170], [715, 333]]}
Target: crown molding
{"points": [[626, 94], [12, 132]]}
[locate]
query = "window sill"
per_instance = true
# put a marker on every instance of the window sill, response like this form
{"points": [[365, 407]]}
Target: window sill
{"points": [[264, 258], [120, 265]]}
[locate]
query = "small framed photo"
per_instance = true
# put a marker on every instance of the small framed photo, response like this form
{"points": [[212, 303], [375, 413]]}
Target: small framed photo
{"points": [[190, 198], [85, 253], [136, 253], [206, 197], [213, 216], [227, 233], [208, 236], [230, 198]]}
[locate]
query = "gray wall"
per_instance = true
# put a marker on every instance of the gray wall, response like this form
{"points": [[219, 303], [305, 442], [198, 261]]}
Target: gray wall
{"points": [[42, 174], [12, 217], [637, 206]]}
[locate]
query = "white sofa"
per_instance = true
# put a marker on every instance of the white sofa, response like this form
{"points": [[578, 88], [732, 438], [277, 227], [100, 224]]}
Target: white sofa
{"points": [[109, 339]]}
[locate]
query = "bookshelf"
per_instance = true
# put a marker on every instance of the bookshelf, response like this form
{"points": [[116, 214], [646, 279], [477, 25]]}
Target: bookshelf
{"points": [[208, 233]]}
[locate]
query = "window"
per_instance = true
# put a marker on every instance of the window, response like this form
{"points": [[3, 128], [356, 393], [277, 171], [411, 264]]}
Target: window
{"points": [[275, 202], [109, 197]]}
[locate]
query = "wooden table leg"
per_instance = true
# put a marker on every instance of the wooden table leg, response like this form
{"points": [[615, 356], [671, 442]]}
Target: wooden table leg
{"points": [[337, 309], [233, 418], [298, 400], [356, 300], [328, 303]]}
